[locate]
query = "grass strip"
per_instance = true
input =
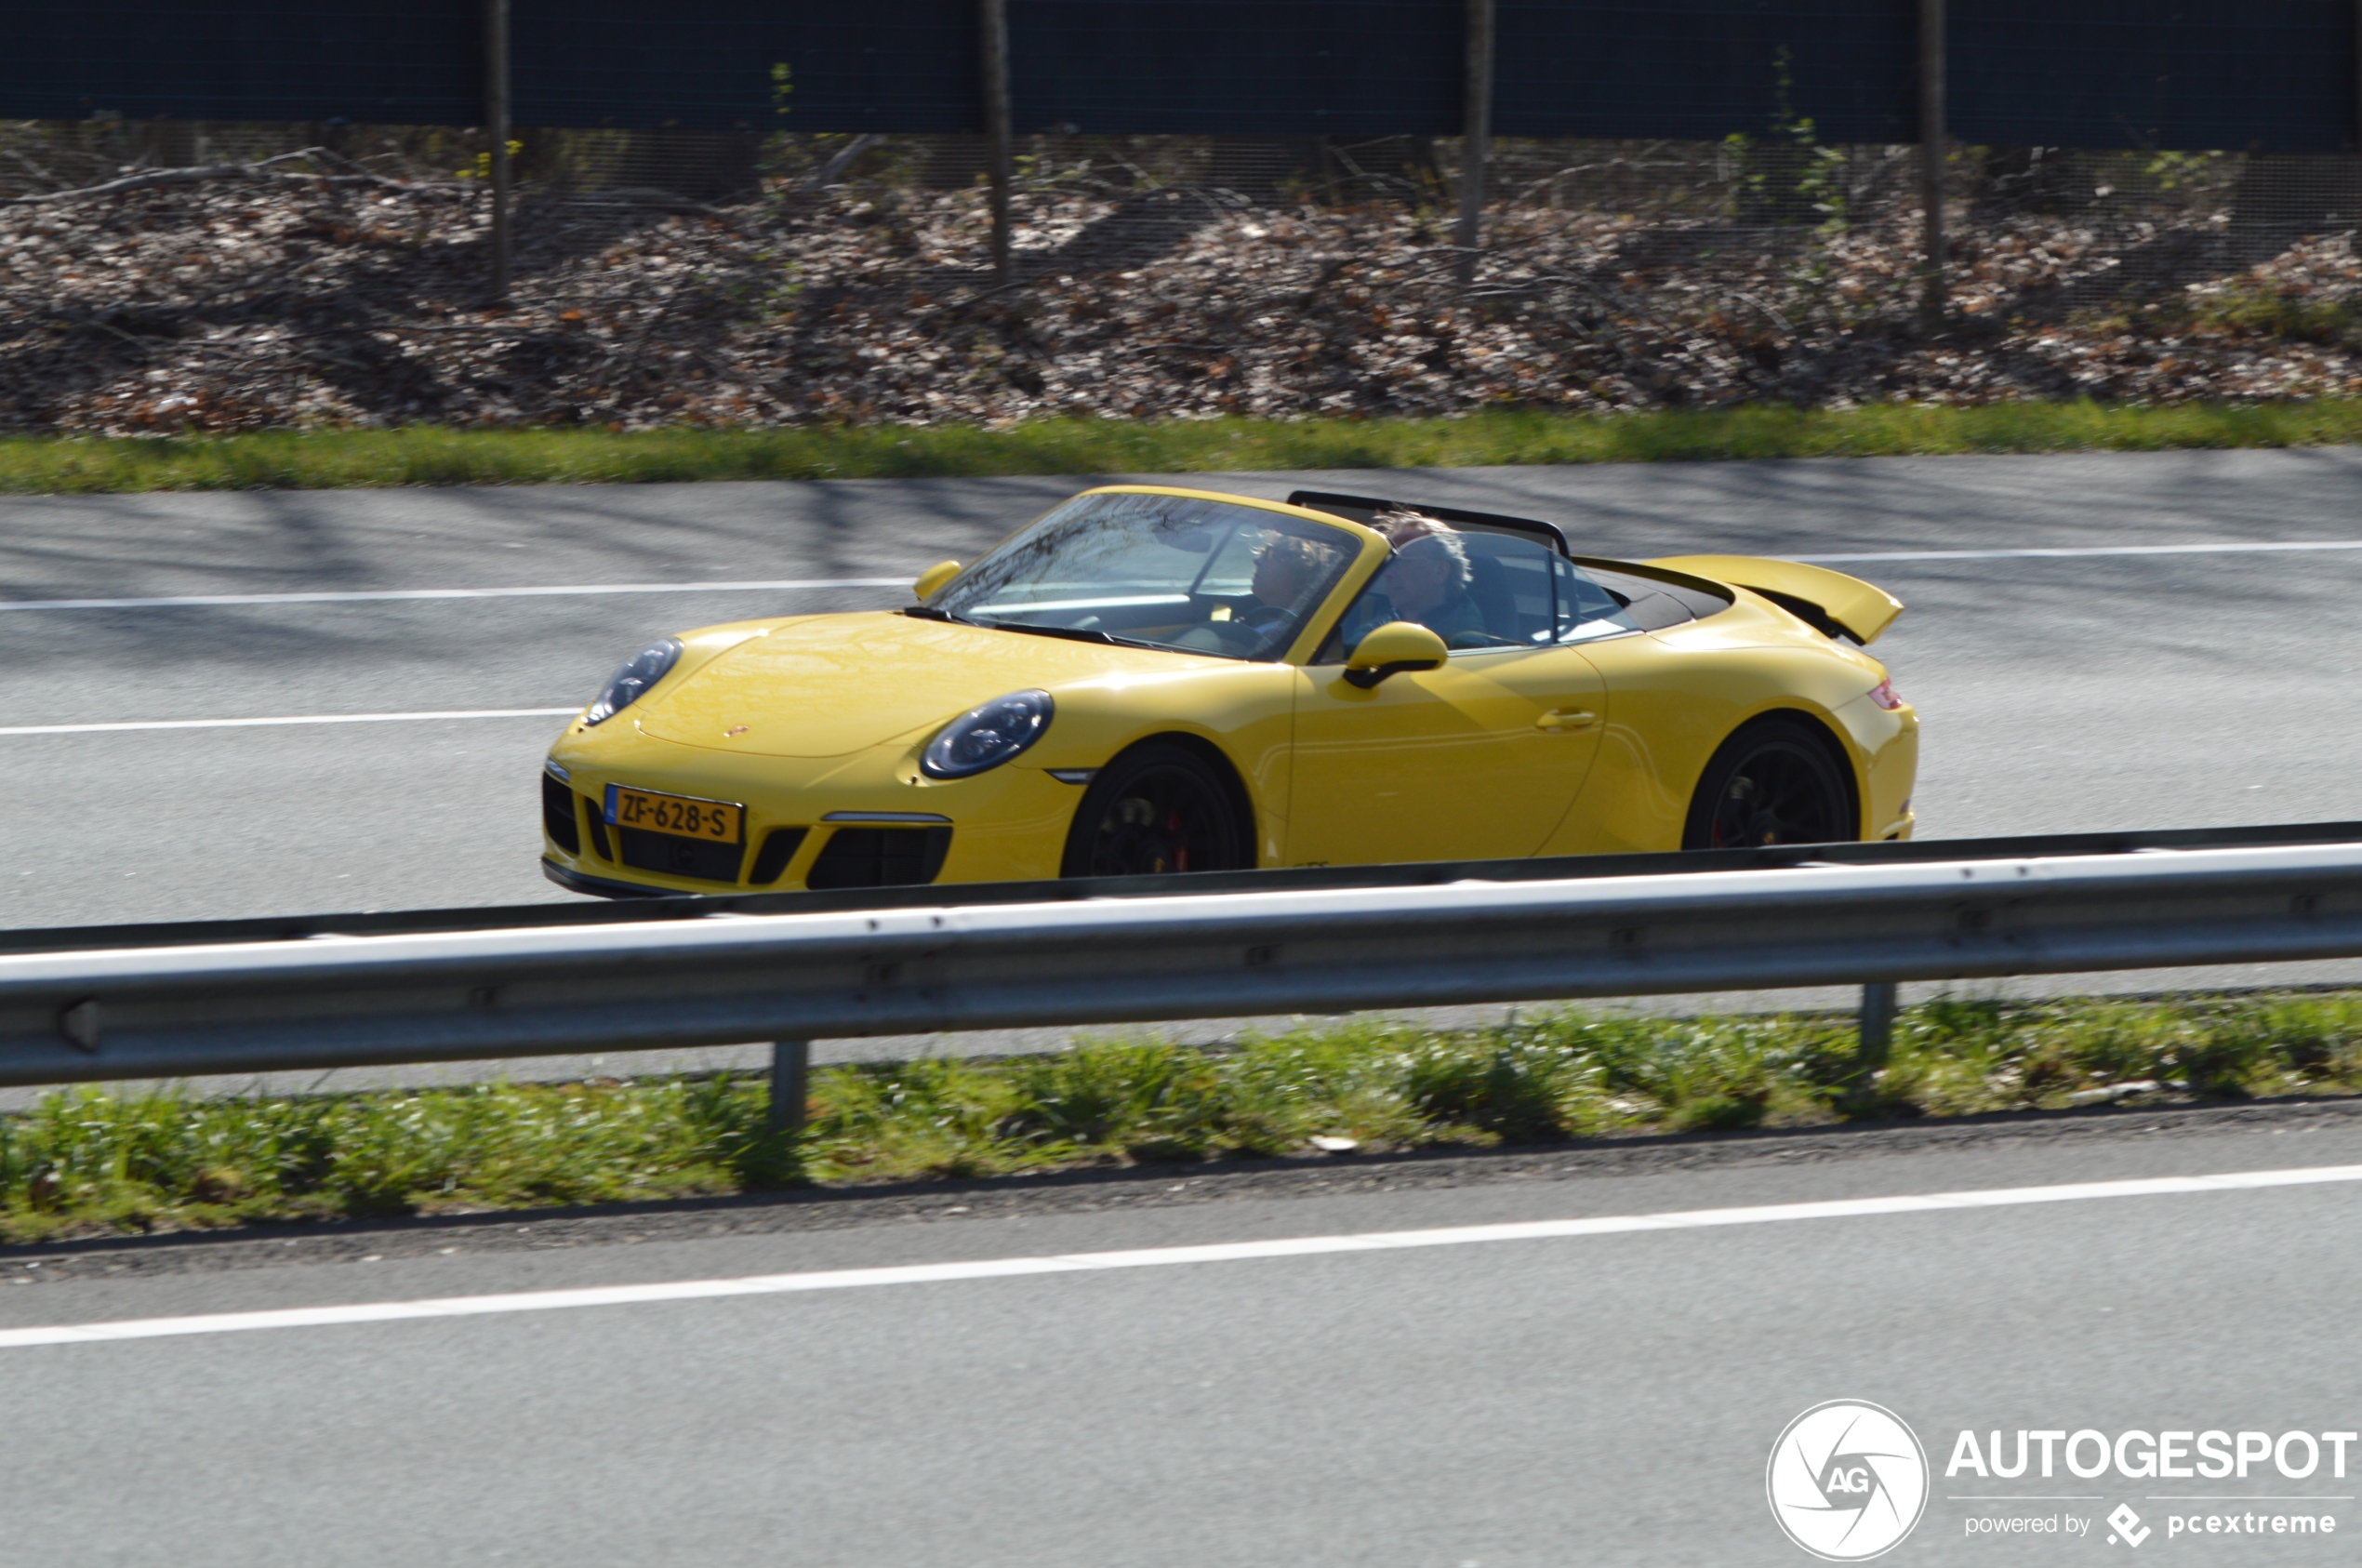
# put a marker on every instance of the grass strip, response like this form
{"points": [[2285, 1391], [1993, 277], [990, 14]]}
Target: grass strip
{"points": [[431, 455], [86, 1161]]}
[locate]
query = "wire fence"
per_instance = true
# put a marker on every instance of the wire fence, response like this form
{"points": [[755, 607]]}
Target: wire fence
{"points": [[2146, 219], [2272, 74]]}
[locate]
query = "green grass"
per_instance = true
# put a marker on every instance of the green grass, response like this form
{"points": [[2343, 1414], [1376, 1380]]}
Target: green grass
{"points": [[425, 455], [2252, 310], [85, 1161]]}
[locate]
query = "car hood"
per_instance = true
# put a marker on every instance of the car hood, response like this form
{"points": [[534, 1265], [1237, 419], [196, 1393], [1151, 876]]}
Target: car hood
{"points": [[834, 685]]}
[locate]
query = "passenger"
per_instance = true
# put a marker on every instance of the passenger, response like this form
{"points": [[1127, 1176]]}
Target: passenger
{"points": [[1426, 582]]}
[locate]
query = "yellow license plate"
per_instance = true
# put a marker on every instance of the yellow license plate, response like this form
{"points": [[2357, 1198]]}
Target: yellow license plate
{"points": [[681, 815]]}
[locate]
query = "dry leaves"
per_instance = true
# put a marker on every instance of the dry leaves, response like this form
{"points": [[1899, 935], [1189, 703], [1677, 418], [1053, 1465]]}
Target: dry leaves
{"points": [[236, 305]]}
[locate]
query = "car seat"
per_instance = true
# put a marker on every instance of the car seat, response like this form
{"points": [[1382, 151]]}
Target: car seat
{"points": [[1489, 590]]}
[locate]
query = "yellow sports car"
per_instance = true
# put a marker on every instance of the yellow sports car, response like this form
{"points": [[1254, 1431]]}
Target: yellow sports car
{"points": [[1148, 680]]}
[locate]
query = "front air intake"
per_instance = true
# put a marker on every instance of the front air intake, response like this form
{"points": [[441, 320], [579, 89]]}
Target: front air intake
{"points": [[777, 849], [678, 856], [879, 857], [557, 815], [592, 815]]}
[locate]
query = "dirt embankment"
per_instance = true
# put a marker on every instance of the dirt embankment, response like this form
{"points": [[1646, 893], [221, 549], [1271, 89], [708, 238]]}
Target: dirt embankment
{"points": [[235, 303]]}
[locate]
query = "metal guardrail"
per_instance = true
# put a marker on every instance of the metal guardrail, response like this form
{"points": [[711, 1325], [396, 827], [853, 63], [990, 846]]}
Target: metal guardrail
{"points": [[644, 976], [588, 913]]}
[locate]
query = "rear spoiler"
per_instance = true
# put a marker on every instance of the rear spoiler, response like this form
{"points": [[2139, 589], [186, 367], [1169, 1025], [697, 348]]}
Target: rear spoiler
{"points": [[1831, 603]]}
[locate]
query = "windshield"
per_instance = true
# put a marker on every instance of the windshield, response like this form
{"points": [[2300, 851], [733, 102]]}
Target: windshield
{"points": [[1159, 571]]}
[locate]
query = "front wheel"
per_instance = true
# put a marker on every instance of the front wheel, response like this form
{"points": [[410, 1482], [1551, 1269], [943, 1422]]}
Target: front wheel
{"points": [[1773, 782], [1158, 809]]}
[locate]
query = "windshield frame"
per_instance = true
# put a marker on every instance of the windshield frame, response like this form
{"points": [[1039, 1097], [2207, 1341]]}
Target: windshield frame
{"points": [[1371, 553]]}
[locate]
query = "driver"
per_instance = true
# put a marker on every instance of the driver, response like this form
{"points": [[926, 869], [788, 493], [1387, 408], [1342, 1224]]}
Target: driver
{"points": [[1426, 582], [1286, 572]]}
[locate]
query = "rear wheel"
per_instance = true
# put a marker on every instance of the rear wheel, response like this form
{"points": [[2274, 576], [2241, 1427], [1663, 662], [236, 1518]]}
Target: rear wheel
{"points": [[1773, 782], [1158, 809]]}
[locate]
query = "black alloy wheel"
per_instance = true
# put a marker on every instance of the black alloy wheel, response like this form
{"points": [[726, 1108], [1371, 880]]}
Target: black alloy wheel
{"points": [[1156, 810], [1773, 782]]}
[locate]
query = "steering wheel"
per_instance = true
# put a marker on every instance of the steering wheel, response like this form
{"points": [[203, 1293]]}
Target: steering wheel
{"points": [[1227, 636]]}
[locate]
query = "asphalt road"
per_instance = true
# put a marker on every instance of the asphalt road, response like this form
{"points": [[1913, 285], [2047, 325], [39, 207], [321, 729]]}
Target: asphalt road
{"points": [[1595, 1397], [1592, 1398], [2060, 692]]}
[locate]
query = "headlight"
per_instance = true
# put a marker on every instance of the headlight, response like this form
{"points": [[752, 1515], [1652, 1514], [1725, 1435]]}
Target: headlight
{"points": [[987, 737], [640, 671]]}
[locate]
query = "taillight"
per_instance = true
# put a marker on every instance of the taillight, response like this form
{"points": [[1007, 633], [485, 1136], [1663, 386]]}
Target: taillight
{"points": [[1885, 696]]}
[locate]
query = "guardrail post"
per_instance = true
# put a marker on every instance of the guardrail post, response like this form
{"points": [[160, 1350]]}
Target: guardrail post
{"points": [[790, 1085], [1877, 1028]]}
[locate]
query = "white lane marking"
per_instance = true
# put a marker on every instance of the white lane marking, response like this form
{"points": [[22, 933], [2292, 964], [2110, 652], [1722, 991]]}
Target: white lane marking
{"points": [[376, 595], [301, 719], [1147, 1257], [793, 584], [2067, 551]]}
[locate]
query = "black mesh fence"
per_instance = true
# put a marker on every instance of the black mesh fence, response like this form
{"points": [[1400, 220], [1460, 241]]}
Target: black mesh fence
{"points": [[2161, 214], [2256, 75]]}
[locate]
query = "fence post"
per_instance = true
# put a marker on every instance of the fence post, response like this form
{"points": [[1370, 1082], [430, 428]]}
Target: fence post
{"points": [[1876, 1037], [790, 1085], [997, 133], [496, 119], [1476, 146], [1931, 117]]}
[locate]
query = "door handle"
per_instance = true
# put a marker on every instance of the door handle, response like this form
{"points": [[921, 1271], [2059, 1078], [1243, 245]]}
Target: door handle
{"points": [[1566, 718]]}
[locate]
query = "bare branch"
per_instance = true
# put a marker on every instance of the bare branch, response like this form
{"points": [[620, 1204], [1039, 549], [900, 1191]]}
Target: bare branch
{"points": [[640, 198], [158, 178], [37, 171], [838, 161]]}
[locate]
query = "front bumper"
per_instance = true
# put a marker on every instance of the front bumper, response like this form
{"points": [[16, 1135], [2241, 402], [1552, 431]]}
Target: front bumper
{"points": [[871, 816], [602, 887]]}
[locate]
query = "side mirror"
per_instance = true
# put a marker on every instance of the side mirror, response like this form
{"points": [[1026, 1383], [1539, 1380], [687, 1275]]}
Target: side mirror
{"points": [[934, 576], [1392, 649]]}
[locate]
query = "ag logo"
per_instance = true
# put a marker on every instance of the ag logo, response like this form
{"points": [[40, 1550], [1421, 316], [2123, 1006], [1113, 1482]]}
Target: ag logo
{"points": [[1847, 1481]]}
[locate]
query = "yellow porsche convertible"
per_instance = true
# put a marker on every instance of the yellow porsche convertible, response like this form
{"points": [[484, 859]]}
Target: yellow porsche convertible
{"points": [[1148, 680]]}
